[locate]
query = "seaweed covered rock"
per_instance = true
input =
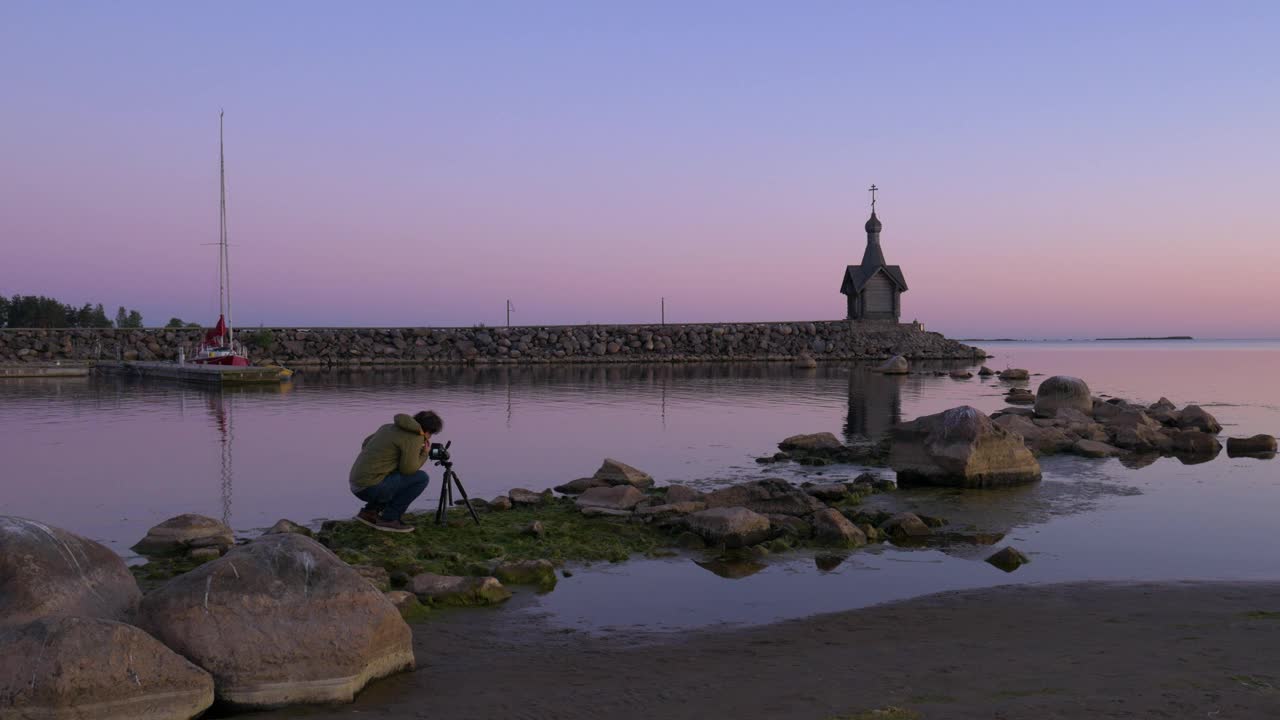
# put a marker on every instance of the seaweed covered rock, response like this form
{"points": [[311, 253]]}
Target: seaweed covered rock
{"points": [[1063, 392], [280, 621], [771, 495], [46, 571], [960, 447], [73, 668], [832, 528], [178, 535], [526, 572], [458, 590], [729, 526]]}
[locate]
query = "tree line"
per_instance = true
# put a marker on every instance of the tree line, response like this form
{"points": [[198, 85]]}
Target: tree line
{"points": [[38, 311]]}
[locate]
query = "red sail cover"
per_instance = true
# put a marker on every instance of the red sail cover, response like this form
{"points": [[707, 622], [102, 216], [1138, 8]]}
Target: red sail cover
{"points": [[214, 336]]}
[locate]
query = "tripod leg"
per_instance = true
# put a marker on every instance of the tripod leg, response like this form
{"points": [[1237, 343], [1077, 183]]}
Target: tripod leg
{"points": [[465, 499], [442, 506]]}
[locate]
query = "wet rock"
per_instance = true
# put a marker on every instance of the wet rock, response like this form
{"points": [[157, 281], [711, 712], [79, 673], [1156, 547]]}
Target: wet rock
{"points": [[1094, 449], [729, 526], [280, 621], [1163, 403], [1008, 559], [617, 497], [1257, 445], [961, 374], [177, 535], [1014, 374], [671, 509], [521, 496], [804, 362], [500, 503], [377, 576], [896, 365], [527, 572], [1042, 440], [1195, 442], [581, 485], [811, 442], [770, 495], [1019, 411], [789, 525], [615, 472], [1139, 439], [457, 590], [1194, 416], [829, 492], [1020, 396], [985, 371], [72, 668], [287, 526], [46, 571], [905, 525], [832, 528], [1062, 392], [960, 447], [826, 562], [592, 511], [681, 493]]}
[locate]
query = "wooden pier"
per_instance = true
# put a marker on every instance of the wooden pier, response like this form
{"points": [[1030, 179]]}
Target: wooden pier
{"points": [[192, 373], [34, 370]]}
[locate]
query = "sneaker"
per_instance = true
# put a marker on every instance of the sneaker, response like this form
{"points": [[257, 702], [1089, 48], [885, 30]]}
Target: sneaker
{"points": [[392, 526], [368, 517]]}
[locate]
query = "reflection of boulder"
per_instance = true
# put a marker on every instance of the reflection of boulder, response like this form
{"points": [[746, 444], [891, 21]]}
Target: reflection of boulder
{"points": [[732, 569], [279, 621], [1138, 460], [79, 667], [46, 571], [960, 447]]}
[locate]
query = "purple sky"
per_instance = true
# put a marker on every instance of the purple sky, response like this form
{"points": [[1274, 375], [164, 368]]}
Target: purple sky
{"points": [[1063, 170]]}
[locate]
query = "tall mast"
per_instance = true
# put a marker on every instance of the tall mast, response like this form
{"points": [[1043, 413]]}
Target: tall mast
{"points": [[224, 261]]}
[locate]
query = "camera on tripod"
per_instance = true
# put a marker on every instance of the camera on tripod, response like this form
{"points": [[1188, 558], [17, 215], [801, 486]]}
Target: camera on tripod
{"points": [[439, 454]]}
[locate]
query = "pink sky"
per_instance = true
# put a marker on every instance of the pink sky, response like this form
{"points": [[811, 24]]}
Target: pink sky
{"points": [[1043, 175]]}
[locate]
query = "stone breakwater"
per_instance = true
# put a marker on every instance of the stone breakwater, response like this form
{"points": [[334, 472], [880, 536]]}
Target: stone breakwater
{"points": [[827, 340]]}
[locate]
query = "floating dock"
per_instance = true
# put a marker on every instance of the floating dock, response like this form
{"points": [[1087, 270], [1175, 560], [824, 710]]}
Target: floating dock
{"points": [[193, 373], [34, 370]]}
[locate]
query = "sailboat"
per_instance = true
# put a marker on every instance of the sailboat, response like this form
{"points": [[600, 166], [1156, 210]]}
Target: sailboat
{"points": [[219, 346]]}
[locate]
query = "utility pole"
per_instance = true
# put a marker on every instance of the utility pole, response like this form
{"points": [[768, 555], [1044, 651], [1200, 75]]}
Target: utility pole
{"points": [[510, 309], [664, 310]]}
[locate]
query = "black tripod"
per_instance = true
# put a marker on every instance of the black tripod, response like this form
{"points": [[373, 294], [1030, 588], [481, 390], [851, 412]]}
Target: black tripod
{"points": [[449, 480]]}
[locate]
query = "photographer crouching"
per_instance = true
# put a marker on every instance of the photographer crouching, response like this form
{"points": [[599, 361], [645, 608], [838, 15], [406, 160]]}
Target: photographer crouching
{"points": [[388, 474]]}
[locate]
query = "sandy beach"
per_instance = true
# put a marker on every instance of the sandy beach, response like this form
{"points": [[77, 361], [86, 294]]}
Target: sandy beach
{"points": [[1169, 650]]}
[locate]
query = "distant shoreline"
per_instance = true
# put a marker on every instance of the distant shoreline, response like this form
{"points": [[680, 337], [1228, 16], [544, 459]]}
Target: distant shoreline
{"points": [[1104, 339], [1169, 337]]}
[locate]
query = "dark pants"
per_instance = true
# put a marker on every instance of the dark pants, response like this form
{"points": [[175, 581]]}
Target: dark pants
{"points": [[392, 496]]}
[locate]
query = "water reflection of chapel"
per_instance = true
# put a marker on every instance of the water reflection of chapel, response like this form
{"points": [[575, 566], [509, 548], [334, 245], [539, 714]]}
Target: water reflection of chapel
{"points": [[875, 404], [873, 290]]}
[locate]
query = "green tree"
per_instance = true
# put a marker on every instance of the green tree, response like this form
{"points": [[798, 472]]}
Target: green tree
{"points": [[122, 317], [175, 323], [134, 320], [4, 311]]}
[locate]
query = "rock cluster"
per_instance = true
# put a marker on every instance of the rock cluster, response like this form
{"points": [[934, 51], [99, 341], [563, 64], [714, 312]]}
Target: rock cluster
{"points": [[833, 340], [959, 447]]}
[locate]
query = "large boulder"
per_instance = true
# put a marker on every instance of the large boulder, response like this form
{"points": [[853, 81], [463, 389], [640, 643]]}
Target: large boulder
{"points": [[896, 365], [960, 447], [615, 497], [76, 668], [46, 571], [813, 442], [1196, 417], [832, 528], [1063, 391], [771, 495], [620, 473], [280, 621], [729, 526], [177, 535]]}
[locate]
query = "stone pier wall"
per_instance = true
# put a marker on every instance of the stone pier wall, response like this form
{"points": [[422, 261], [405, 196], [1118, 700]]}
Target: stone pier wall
{"points": [[827, 340]]}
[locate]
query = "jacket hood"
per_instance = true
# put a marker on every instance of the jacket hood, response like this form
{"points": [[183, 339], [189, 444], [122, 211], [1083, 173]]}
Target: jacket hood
{"points": [[408, 424]]}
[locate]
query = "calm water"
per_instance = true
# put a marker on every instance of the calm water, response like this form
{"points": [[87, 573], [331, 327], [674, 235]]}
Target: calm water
{"points": [[110, 458]]}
